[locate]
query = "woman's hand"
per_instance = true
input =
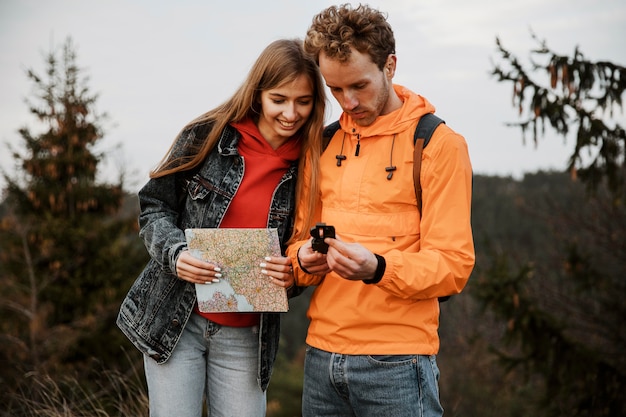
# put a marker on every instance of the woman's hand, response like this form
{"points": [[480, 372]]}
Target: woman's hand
{"points": [[279, 270], [196, 270]]}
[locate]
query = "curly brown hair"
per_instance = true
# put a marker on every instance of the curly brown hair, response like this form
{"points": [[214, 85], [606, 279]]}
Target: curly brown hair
{"points": [[338, 29]]}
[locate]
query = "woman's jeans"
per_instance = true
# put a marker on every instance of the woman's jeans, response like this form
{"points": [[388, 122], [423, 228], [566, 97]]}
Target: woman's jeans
{"points": [[370, 386], [211, 359]]}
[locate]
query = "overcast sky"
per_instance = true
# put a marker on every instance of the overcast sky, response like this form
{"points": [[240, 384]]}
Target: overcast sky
{"points": [[158, 64]]}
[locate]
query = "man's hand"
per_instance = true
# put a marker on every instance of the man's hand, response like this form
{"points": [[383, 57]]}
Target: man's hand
{"points": [[313, 262], [350, 260]]}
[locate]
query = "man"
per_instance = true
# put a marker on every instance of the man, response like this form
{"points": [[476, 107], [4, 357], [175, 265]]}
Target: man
{"points": [[374, 315]]}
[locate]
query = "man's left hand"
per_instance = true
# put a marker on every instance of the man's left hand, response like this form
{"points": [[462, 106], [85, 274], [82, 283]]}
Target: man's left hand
{"points": [[350, 260]]}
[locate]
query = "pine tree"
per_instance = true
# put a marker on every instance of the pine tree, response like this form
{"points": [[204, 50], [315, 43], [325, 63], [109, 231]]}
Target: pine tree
{"points": [[67, 249], [572, 93]]}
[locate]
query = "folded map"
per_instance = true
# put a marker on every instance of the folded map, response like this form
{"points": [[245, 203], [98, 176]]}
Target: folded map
{"points": [[238, 253]]}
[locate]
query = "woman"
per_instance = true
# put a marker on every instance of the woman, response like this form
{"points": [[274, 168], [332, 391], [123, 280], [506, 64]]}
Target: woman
{"points": [[234, 166]]}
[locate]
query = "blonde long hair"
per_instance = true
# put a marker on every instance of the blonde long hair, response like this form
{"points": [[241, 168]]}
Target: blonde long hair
{"points": [[282, 61]]}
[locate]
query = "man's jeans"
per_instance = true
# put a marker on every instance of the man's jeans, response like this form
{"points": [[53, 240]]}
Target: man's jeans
{"points": [[370, 386], [219, 359]]}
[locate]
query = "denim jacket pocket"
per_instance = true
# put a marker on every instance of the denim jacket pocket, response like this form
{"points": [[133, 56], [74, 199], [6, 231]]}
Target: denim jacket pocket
{"points": [[206, 203], [198, 188]]}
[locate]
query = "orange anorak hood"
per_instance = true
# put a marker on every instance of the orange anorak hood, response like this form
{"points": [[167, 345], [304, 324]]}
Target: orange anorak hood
{"points": [[403, 119]]}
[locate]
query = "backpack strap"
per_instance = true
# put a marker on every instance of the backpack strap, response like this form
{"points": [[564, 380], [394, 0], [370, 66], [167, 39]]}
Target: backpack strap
{"points": [[423, 132], [329, 132]]}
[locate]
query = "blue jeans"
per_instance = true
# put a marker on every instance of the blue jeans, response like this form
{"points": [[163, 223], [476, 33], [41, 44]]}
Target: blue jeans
{"points": [[370, 386], [213, 360]]}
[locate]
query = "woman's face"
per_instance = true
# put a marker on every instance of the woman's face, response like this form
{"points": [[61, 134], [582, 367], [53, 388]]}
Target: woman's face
{"points": [[285, 109]]}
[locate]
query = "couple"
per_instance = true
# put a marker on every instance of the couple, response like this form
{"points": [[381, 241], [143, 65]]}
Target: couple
{"points": [[258, 161]]}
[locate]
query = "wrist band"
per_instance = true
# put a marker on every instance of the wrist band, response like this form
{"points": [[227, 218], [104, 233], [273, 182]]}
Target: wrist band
{"points": [[300, 265], [380, 270]]}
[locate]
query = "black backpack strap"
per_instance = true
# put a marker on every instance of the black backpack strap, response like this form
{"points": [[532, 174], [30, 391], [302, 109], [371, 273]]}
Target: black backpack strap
{"points": [[329, 132], [426, 126]]}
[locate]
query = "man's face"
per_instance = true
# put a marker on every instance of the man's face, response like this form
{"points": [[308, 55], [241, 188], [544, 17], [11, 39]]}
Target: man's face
{"points": [[361, 89]]}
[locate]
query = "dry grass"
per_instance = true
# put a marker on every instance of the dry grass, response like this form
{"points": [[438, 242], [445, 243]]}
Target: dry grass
{"points": [[110, 394]]}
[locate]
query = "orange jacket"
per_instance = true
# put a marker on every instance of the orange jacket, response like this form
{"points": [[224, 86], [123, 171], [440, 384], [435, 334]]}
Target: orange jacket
{"points": [[426, 258]]}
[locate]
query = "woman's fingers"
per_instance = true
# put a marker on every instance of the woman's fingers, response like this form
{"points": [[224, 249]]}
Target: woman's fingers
{"points": [[278, 270]]}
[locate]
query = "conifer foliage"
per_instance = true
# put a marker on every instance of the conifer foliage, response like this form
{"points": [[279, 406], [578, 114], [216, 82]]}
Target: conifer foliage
{"points": [[572, 93], [66, 249]]}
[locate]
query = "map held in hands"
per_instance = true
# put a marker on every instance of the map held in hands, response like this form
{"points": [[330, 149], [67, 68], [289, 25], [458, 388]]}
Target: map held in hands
{"points": [[238, 253]]}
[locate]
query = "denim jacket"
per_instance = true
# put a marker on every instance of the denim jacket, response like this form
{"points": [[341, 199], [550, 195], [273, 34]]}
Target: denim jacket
{"points": [[158, 305]]}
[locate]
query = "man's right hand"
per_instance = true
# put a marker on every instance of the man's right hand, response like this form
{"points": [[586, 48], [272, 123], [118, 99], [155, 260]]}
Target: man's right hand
{"points": [[313, 262]]}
